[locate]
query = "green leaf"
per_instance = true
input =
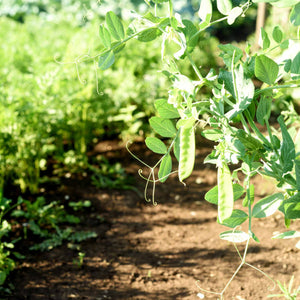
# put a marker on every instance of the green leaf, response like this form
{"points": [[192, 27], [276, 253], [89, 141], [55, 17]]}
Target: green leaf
{"points": [[263, 111], [237, 218], [165, 168], [224, 6], [156, 145], [149, 35], [287, 149], [267, 206], [104, 36], [187, 152], [234, 14], [162, 126], [234, 236], [285, 3], [291, 207], [287, 235], [277, 34], [264, 39], [205, 10], [165, 109], [212, 195], [266, 69], [227, 54], [212, 134], [297, 171], [295, 15], [106, 60], [295, 67], [225, 193], [191, 37], [115, 26]]}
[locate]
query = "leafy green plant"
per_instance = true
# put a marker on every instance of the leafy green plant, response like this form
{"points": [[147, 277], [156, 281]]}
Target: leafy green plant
{"points": [[287, 291], [228, 115]]}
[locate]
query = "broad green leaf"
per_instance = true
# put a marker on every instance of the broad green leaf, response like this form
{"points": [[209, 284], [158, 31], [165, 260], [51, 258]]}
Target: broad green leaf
{"points": [[224, 6], [226, 78], [191, 37], [263, 111], [115, 26], [225, 193], [117, 47], [212, 134], [176, 148], [265, 41], [165, 168], [234, 14], [187, 152], [212, 195], [227, 53], [106, 60], [237, 218], [234, 236], [277, 34], [287, 235], [295, 15], [287, 149], [285, 44], [104, 36], [295, 67], [165, 109], [297, 171], [156, 145], [291, 207], [2, 277], [205, 10], [149, 35], [255, 238], [267, 206], [162, 126], [266, 69]]}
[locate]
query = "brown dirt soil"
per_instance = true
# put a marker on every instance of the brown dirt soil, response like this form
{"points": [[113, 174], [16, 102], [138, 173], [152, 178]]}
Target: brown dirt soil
{"points": [[157, 252]]}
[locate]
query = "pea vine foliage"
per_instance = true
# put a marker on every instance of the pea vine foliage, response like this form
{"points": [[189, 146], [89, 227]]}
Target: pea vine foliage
{"points": [[228, 116]]}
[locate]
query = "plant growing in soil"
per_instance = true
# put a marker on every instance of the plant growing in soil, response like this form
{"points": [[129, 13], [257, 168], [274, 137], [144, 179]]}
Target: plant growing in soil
{"points": [[224, 106]]}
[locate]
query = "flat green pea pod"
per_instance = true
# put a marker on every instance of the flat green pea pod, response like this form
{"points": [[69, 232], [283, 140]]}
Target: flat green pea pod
{"points": [[187, 151]]}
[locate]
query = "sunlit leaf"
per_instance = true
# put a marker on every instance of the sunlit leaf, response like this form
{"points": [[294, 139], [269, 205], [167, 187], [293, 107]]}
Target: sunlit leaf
{"points": [[295, 15], [266, 69], [234, 14], [104, 36], [295, 67], [156, 145], [235, 236], [287, 235], [165, 168], [115, 26], [224, 6], [237, 218], [277, 34], [165, 109], [267, 206], [205, 10], [162, 126], [106, 60]]}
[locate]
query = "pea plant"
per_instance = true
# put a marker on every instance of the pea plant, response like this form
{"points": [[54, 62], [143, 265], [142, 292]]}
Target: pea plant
{"points": [[226, 107]]}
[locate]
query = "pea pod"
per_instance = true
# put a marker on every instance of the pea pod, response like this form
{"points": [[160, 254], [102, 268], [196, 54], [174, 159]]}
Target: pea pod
{"points": [[187, 152]]}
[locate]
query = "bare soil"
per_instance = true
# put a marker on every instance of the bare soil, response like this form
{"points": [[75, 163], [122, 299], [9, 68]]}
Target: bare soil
{"points": [[157, 252]]}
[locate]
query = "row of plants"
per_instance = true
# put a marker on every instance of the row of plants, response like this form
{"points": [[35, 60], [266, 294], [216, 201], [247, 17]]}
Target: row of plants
{"points": [[226, 107]]}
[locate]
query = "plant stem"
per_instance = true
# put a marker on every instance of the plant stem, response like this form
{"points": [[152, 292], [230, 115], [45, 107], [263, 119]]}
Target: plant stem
{"points": [[196, 69]]}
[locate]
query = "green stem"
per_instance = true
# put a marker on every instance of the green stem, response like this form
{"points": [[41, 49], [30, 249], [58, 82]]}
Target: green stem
{"points": [[196, 69], [276, 87], [170, 8]]}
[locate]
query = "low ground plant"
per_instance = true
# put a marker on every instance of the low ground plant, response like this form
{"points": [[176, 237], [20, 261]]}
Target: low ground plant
{"points": [[226, 107]]}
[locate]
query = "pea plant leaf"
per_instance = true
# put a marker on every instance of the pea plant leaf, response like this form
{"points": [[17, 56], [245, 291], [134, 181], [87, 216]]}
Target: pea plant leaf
{"points": [[104, 36], [234, 236], [264, 39], [165, 168], [114, 26], [149, 35], [227, 53], [106, 60], [287, 149], [263, 110], [295, 67], [277, 34], [287, 235], [291, 207], [205, 10], [266, 69], [267, 206], [224, 6], [156, 145], [225, 192], [162, 126], [295, 15], [297, 171], [165, 109], [212, 195], [234, 14], [187, 152], [237, 218]]}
